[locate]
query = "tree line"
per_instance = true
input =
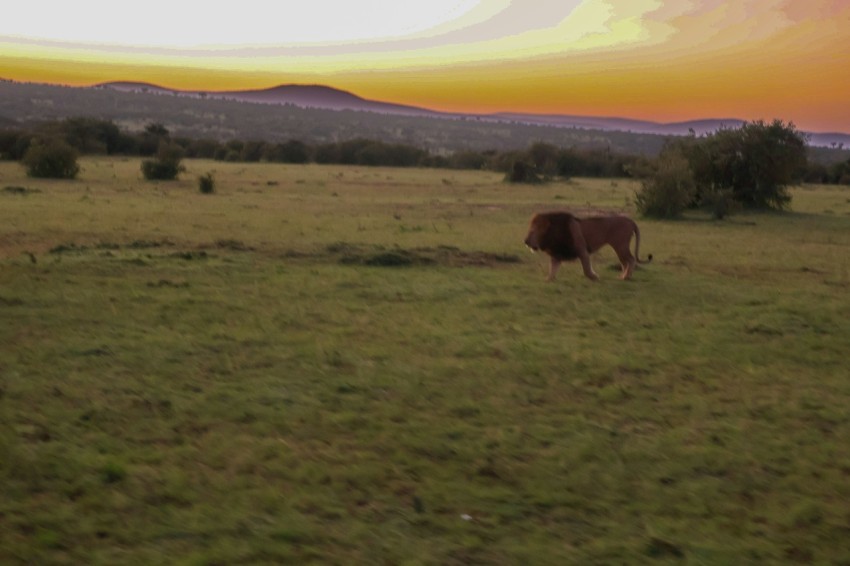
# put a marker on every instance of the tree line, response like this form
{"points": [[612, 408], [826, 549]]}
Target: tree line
{"points": [[750, 166], [91, 136]]}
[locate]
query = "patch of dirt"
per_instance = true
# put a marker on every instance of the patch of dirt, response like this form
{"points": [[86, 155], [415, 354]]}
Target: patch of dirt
{"points": [[190, 255], [340, 252], [14, 190], [377, 256], [109, 246], [232, 245]]}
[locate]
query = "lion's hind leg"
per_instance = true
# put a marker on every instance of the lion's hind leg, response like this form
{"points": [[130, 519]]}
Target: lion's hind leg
{"points": [[628, 261], [626, 272]]}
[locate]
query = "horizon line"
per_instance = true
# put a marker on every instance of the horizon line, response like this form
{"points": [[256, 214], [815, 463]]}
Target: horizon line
{"points": [[498, 113]]}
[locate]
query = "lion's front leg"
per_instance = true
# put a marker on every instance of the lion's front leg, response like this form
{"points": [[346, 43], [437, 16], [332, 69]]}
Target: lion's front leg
{"points": [[587, 267], [554, 264], [581, 250]]}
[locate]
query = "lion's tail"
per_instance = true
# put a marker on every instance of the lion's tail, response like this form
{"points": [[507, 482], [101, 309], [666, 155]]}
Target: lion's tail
{"points": [[637, 247]]}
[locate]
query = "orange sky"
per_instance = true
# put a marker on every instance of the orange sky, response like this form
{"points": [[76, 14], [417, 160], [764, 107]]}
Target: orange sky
{"points": [[663, 60]]}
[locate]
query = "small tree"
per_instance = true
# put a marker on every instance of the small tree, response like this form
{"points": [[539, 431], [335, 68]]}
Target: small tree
{"points": [[166, 166], [756, 162], [840, 173], [91, 135], [51, 158], [545, 158], [206, 183], [152, 138], [522, 172]]}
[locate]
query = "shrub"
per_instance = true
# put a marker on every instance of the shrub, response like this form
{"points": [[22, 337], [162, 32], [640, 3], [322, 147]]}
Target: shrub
{"points": [[668, 189], [840, 173], [52, 158], [14, 144], [92, 135], [522, 172], [545, 158], [156, 170], [166, 166], [206, 183], [756, 162]]}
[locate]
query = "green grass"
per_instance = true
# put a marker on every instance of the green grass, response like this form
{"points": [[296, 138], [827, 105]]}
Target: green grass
{"points": [[364, 366]]}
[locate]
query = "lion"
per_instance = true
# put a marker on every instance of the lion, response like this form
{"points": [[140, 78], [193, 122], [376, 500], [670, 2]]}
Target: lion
{"points": [[566, 237]]}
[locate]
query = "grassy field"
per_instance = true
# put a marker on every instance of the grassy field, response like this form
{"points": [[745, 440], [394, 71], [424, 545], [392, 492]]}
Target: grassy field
{"points": [[334, 365]]}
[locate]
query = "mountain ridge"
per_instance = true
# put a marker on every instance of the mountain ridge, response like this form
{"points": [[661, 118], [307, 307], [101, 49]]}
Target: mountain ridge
{"points": [[320, 114], [330, 98], [302, 95]]}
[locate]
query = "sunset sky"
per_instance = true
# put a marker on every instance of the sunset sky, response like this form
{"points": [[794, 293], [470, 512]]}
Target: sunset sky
{"points": [[661, 60]]}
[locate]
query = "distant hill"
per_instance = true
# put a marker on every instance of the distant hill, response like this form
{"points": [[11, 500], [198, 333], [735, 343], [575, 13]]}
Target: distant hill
{"points": [[324, 97], [319, 114], [146, 88], [303, 96], [698, 127], [318, 96]]}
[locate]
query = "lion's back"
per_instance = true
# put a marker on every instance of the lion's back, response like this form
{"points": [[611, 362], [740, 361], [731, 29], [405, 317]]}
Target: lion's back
{"points": [[601, 230]]}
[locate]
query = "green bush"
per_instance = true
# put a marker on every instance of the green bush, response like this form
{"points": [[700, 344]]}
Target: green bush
{"points": [[52, 159], [757, 162], [668, 189], [166, 166], [545, 158], [156, 170], [522, 172], [206, 184]]}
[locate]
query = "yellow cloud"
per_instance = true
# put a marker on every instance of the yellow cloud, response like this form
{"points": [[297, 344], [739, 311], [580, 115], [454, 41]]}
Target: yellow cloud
{"points": [[666, 60]]}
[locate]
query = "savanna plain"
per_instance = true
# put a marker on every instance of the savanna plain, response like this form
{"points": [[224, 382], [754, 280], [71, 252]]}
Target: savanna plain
{"points": [[338, 365]]}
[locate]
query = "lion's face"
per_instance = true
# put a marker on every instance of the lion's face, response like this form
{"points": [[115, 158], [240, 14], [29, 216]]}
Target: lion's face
{"points": [[539, 226]]}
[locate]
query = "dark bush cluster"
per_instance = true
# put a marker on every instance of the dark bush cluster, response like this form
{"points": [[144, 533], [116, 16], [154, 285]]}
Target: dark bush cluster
{"points": [[548, 161], [92, 136], [50, 158], [156, 170], [750, 167], [206, 184], [837, 173], [166, 165], [667, 186], [522, 172], [369, 152]]}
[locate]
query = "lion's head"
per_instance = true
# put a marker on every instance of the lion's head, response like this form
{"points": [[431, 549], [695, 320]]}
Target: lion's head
{"points": [[550, 232], [536, 231]]}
